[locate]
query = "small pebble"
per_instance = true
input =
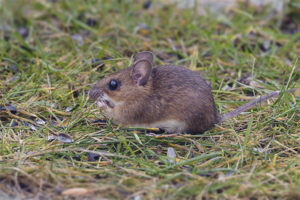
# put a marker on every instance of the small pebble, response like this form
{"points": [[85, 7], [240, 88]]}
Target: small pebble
{"points": [[75, 93], [23, 31], [65, 138], [51, 138], [93, 157], [32, 127], [77, 157], [147, 4], [69, 109], [14, 124], [14, 78], [91, 22], [40, 122], [58, 190], [14, 68], [265, 46], [78, 38], [9, 107], [172, 154]]}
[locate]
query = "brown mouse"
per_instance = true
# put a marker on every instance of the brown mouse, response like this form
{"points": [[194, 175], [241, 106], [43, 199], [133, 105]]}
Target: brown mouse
{"points": [[168, 97]]}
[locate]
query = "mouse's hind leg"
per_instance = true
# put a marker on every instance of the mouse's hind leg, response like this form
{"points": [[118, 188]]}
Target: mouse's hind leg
{"points": [[171, 126]]}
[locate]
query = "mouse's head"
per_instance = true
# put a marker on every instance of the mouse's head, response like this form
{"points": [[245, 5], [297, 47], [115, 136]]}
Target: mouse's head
{"points": [[124, 86]]}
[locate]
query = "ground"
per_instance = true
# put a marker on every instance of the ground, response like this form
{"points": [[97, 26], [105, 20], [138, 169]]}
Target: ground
{"points": [[55, 144]]}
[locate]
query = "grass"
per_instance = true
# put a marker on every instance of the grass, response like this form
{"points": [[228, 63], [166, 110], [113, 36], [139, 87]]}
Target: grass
{"points": [[46, 50]]}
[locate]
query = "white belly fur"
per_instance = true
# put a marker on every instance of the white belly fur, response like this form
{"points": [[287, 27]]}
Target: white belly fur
{"points": [[171, 126]]}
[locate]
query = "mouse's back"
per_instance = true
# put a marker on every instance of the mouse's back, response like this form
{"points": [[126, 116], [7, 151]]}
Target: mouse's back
{"points": [[168, 97], [186, 97]]}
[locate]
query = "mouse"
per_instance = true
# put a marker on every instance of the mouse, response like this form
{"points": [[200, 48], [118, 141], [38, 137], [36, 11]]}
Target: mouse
{"points": [[171, 98]]}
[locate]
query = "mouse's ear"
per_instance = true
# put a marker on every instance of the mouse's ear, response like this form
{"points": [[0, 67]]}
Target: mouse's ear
{"points": [[141, 71], [144, 55]]}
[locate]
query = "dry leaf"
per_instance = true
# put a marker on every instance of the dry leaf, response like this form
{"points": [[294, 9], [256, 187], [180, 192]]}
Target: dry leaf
{"points": [[77, 192]]}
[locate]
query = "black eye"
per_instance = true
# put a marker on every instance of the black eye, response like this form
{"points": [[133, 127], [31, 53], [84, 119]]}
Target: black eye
{"points": [[113, 84]]}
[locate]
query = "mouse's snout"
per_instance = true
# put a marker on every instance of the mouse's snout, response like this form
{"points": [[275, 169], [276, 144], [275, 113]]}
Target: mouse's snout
{"points": [[95, 93]]}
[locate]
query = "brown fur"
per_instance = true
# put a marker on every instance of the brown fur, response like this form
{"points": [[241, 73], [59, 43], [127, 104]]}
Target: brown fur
{"points": [[170, 93]]}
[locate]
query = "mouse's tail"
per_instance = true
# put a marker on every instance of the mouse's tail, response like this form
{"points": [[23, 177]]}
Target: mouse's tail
{"points": [[251, 104]]}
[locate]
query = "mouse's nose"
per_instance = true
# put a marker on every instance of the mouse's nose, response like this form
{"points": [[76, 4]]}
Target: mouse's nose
{"points": [[95, 93]]}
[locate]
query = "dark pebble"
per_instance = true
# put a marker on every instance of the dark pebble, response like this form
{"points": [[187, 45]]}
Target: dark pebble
{"points": [[99, 121], [114, 69], [14, 69], [23, 31], [11, 108], [147, 4], [219, 191], [58, 190], [289, 25], [107, 57], [14, 78], [77, 157], [93, 157], [14, 124], [25, 186], [265, 46], [80, 16], [56, 118], [6, 37], [75, 92], [249, 92], [91, 22], [97, 63], [98, 176]]}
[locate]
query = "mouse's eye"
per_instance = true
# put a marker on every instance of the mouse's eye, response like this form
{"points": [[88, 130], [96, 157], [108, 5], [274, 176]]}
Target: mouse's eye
{"points": [[113, 84]]}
